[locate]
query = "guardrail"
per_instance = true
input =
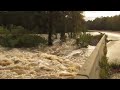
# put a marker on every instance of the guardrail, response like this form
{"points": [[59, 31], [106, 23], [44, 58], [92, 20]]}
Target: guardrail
{"points": [[91, 69]]}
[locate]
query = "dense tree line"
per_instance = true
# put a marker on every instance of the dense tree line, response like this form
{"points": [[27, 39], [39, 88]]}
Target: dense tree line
{"points": [[50, 22], [104, 23]]}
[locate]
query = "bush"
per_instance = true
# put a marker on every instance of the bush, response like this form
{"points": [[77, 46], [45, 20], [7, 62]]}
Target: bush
{"points": [[87, 39], [84, 40], [104, 62], [18, 30], [31, 41], [9, 40], [13, 30], [25, 40], [104, 68], [3, 30]]}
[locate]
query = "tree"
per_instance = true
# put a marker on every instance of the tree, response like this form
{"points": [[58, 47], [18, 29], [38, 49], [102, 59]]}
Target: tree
{"points": [[50, 31], [105, 23]]}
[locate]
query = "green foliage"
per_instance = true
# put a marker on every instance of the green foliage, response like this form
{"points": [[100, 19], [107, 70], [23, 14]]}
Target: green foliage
{"points": [[115, 65], [87, 39], [104, 74], [83, 40], [19, 41], [8, 40], [104, 62], [104, 23], [105, 48], [31, 41], [104, 65], [46, 22], [18, 30], [3, 30], [13, 30], [104, 68]]}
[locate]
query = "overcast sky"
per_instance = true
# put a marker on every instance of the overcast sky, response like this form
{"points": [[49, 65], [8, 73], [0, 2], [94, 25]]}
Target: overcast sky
{"points": [[91, 15]]}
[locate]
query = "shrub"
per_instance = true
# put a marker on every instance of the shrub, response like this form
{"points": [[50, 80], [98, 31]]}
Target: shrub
{"points": [[87, 39], [13, 30], [104, 68], [3, 30], [18, 30], [84, 40], [11, 40], [31, 41], [103, 63]]}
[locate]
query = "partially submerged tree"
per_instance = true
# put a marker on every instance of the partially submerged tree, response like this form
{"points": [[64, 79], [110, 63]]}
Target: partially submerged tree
{"points": [[47, 22]]}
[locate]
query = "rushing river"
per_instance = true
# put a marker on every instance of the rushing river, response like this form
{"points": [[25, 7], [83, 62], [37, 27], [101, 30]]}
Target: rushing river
{"points": [[57, 61]]}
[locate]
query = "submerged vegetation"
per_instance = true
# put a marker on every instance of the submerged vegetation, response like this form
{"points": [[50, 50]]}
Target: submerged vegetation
{"points": [[42, 22], [25, 40], [87, 39]]}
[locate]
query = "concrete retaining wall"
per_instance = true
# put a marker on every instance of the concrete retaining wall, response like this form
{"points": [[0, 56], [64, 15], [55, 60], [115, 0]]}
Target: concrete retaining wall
{"points": [[90, 69]]}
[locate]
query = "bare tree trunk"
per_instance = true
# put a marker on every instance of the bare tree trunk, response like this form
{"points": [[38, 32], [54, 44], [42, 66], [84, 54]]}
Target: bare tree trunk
{"points": [[50, 43]]}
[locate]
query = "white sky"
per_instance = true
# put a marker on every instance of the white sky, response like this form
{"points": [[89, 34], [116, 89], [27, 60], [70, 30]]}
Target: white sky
{"points": [[91, 15]]}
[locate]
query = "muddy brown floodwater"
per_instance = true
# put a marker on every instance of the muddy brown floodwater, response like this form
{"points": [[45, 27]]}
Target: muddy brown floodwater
{"points": [[57, 61]]}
